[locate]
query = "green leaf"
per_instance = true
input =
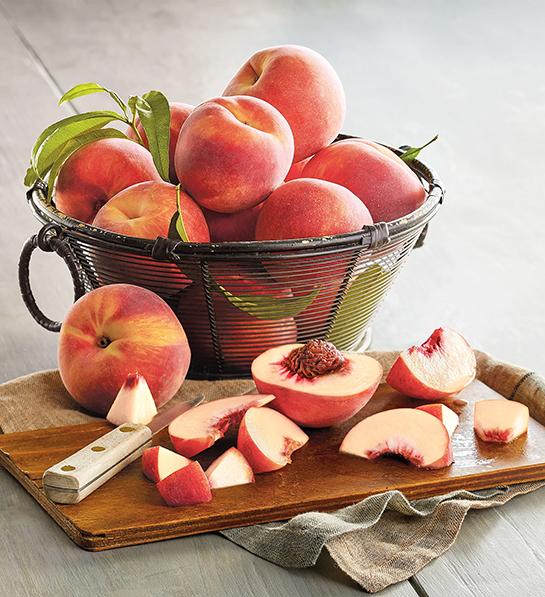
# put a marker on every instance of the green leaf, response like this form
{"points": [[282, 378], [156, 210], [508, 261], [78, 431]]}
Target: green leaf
{"points": [[73, 124], [412, 152], [154, 113], [74, 144], [53, 145], [88, 88], [268, 307], [358, 305], [180, 228]]}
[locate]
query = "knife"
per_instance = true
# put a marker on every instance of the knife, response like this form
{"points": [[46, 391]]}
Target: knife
{"points": [[75, 477]]}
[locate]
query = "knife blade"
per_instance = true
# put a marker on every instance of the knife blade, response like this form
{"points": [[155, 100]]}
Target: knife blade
{"points": [[75, 477]]}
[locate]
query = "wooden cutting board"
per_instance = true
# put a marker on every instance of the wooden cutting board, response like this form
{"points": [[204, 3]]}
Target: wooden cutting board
{"points": [[127, 510]]}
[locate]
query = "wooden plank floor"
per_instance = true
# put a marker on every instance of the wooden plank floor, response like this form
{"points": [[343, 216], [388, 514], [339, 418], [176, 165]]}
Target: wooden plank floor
{"points": [[471, 71]]}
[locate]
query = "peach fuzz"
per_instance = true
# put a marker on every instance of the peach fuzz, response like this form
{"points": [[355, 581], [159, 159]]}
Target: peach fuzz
{"points": [[145, 210], [320, 398], [232, 152], [178, 115], [186, 486], [96, 172], [303, 86], [238, 226], [307, 207], [114, 331], [296, 170], [382, 180]]}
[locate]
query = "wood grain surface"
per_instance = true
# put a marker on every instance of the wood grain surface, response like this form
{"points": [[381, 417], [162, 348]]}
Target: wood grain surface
{"points": [[128, 510]]}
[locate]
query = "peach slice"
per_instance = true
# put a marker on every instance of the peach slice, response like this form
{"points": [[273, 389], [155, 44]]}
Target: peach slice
{"points": [[314, 384], [186, 486], [446, 415], [415, 435], [229, 469], [267, 439], [444, 365], [158, 463], [200, 427], [133, 403], [500, 421]]}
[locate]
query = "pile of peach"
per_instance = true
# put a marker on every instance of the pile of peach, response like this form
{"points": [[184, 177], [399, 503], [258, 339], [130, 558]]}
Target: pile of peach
{"points": [[256, 163]]}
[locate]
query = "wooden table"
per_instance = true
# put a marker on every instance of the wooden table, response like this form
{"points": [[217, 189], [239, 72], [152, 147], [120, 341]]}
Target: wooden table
{"points": [[471, 71]]}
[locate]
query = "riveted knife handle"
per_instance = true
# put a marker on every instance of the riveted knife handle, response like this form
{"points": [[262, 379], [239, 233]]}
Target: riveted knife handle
{"points": [[74, 478]]}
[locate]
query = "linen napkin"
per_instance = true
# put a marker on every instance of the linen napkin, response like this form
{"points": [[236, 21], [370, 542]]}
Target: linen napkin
{"points": [[382, 540]]}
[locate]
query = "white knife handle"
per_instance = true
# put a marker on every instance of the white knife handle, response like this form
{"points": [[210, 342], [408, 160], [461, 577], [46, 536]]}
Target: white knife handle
{"points": [[69, 481]]}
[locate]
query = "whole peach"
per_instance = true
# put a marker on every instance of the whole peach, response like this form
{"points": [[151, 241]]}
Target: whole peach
{"points": [[382, 180], [116, 330], [178, 115], [232, 227], [96, 172], [146, 209], [232, 152], [307, 207], [303, 85]]}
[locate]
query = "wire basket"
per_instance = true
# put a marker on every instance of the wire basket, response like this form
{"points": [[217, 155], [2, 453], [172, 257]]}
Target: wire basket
{"points": [[237, 299]]}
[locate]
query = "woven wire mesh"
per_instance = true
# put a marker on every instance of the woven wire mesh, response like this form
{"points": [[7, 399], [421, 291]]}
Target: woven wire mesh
{"points": [[235, 300]]}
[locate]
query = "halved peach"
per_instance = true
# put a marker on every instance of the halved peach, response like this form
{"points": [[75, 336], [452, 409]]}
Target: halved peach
{"points": [[133, 403], [315, 384], [415, 435], [229, 469], [186, 486], [500, 421], [443, 365], [158, 463], [200, 427], [267, 439]]}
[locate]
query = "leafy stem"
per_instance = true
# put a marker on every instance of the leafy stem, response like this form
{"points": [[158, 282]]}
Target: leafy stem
{"points": [[411, 153]]}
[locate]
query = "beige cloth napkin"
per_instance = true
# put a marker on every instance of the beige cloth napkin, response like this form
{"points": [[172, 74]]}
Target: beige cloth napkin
{"points": [[382, 540]]}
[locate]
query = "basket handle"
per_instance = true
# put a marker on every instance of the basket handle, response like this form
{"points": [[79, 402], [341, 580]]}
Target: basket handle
{"points": [[49, 239]]}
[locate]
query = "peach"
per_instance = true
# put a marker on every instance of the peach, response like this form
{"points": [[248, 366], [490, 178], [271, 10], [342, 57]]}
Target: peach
{"points": [[186, 486], [415, 435], [500, 421], [200, 427], [303, 86], [229, 469], [241, 335], [296, 170], [267, 439], [314, 384], [145, 210], [158, 463], [232, 152], [306, 207], [238, 226], [382, 180], [133, 403], [114, 331], [96, 172], [444, 365], [178, 115], [446, 415]]}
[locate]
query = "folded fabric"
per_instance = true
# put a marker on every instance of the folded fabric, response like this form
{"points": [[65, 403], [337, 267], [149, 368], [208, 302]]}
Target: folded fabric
{"points": [[379, 541]]}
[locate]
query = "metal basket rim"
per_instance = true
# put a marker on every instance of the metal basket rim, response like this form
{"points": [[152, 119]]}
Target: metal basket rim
{"points": [[366, 237]]}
